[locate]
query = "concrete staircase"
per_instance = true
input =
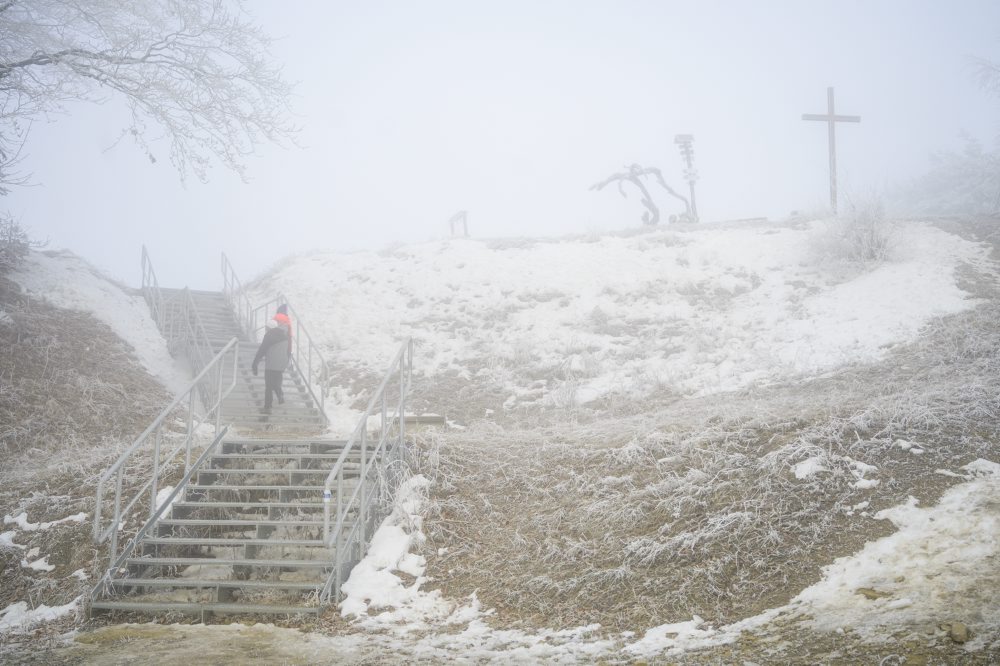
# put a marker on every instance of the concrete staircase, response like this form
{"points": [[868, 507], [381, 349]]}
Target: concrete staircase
{"points": [[245, 537], [245, 532], [243, 408]]}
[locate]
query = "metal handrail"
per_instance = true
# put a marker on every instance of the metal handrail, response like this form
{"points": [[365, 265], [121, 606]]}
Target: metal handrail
{"points": [[116, 563], [178, 327], [155, 433], [151, 290], [373, 479], [238, 299], [196, 336]]}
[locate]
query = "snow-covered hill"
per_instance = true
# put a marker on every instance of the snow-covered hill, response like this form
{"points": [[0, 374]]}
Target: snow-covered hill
{"points": [[68, 281], [567, 321]]}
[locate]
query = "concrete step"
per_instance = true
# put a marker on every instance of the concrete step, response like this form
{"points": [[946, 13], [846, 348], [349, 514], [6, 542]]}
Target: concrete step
{"points": [[255, 478], [283, 445], [238, 542], [280, 460], [273, 493], [300, 460], [254, 565], [261, 421], [276, 511], [242, 528], [201, 609], [258, 422], [257, 428], [237, 523], [126, 584], [250, 471]]}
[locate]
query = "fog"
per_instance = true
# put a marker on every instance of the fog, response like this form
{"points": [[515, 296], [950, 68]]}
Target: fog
{"points": [[511, 110]]}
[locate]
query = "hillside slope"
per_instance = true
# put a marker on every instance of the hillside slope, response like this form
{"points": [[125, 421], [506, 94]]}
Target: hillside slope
{"points": [[82, 373], [684, 422], [591, 320]]}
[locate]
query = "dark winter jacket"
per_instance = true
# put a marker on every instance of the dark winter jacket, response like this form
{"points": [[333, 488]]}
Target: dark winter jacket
{"points": [[273, 350]]}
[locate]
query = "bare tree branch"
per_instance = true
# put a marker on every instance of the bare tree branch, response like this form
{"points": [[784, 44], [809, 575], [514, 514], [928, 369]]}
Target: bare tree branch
{"points": [[634, 175], [195, 72]]}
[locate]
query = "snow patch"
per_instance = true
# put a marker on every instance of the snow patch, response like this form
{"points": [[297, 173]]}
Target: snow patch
{"points": [[162, 495], [7, 541], [17, 617], [21, 520], [981, 467], [860, 471], [810, 466], [41, 564]]}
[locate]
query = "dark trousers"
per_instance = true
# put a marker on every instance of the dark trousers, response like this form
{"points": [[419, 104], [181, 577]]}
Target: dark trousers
{"points": [[272, 387]]}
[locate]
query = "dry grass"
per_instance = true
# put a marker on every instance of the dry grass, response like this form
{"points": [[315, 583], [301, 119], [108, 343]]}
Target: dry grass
{"points": [[67, 380], [635, 517], [72, 397]]}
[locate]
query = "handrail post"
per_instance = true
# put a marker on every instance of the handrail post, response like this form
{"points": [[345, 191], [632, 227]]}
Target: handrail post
{"points": [[118, 512], [97, 511], [363, 509], [236, 362], [341, 509], [218, 396], [190, 432], [156, 469], [326, 516], [402, 403]]}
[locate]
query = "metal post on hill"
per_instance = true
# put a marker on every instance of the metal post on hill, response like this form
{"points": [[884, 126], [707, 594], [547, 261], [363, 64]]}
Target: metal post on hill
{"points": [[463, 217], [831, 119], [686, 144]]}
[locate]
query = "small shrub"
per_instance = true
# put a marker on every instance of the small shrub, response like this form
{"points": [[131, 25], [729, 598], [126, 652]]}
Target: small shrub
{"points": [[14, 244], [860, 235], [866, 232]]}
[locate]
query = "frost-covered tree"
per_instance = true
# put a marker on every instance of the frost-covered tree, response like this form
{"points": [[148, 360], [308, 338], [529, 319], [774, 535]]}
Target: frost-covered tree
{"points": [[194, 72], [634, 174], [961, 182], [14, 244]]}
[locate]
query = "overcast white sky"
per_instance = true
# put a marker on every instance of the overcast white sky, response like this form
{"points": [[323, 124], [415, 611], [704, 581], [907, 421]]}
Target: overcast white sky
{"points": [[512, 109]]}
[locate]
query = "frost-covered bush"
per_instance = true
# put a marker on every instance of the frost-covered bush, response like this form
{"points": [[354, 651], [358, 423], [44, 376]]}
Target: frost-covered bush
{"points": [[866, 233], [14, 244], [965, 182], [861, 234]]}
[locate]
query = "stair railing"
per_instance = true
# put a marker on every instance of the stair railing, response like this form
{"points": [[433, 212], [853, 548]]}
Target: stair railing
{"points": [[151, 291], [146, 458], [306, 359], [192, 334], [177, 317], [237, 297], [370, 500], [116, 563]]}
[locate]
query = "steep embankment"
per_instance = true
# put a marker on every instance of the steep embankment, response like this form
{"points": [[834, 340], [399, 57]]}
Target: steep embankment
{"points": [[77, 385]]}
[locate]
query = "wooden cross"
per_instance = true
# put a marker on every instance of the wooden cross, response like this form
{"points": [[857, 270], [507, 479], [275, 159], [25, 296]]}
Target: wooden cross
{"points": [[831, 119]]}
